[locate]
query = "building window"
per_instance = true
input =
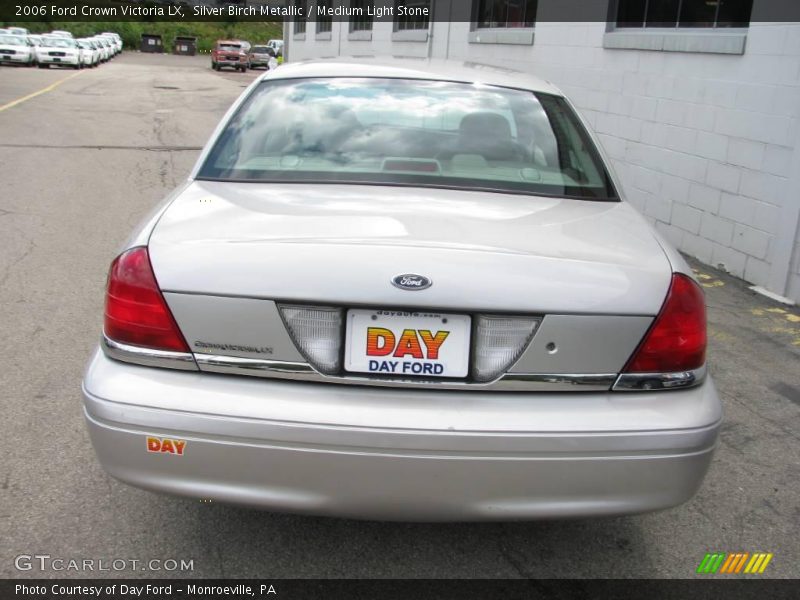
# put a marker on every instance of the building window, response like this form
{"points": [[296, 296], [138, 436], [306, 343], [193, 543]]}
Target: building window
{"points": [[324, 22], [683, 13], [362, 22], [412, 21], [300, 22], [492, 14]]}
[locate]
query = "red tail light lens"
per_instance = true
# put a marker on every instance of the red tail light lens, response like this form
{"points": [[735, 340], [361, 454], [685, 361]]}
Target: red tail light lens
{"points": [[136, 312], [677, 339]]}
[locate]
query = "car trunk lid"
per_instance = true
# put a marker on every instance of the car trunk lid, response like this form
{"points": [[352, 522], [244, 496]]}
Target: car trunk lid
{"points": [[343, 245]]}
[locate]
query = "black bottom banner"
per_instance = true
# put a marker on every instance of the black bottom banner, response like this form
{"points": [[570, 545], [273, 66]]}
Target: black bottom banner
{"points": [[397, 589]]}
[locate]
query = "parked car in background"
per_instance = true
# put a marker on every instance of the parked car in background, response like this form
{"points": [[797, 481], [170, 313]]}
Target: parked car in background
{"points": [[120, 43], [106, 50], [18, 31], [58, 51], [277, 47], [419, 294], [17, 50], [114, 40], [230, 53], [102, 50], [260, 56], [89, 52]]}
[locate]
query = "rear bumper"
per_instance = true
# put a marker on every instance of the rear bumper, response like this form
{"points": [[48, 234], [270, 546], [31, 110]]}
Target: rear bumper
{"points": [[390, 454]]}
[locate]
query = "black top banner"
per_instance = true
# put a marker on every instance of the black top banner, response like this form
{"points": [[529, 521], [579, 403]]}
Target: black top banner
{"points": [[484, 13]]}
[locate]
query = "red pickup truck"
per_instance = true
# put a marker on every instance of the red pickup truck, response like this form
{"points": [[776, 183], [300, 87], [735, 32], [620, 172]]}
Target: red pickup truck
{"points": [[230, 53]]}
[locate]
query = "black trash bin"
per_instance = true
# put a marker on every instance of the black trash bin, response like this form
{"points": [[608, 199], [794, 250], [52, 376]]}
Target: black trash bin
{"points": [[151, 43], [184, 45]]}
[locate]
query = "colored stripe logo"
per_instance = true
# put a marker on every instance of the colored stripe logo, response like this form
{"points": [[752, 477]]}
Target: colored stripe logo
{"points": [[735, 562]]}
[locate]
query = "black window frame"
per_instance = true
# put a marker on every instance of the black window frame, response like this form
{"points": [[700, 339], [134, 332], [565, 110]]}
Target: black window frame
{"points": [[300, 21], [324, 23], [528, 21], [362, 22], [644, 7], [409, 23]]}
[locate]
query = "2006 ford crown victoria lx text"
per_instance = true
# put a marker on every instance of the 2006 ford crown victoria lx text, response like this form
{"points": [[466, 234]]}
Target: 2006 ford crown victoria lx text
{"points": [[404, 291]]}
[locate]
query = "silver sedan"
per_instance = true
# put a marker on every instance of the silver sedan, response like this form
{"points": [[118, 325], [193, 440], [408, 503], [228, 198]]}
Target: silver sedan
{"points": [[404, 291]]}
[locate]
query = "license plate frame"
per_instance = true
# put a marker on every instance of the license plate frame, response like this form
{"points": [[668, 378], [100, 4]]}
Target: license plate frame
{"points": [[428, 353]]}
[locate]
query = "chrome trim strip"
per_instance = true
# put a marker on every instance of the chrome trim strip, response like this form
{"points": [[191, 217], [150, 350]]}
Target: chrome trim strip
{"points": [[256, 367], [566, 382], [510, 382], [637, 382], [148, 357]]}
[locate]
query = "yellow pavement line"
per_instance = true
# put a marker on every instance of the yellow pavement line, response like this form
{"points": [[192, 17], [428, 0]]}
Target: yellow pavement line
{"points": [[49, 88]]}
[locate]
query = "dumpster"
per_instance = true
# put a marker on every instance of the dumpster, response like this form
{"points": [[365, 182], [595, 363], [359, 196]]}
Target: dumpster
{"points": [[184, 45], [151, 43]]}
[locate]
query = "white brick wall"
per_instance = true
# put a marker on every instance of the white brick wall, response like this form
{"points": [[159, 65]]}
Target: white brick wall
{"points": [[707, 145]]}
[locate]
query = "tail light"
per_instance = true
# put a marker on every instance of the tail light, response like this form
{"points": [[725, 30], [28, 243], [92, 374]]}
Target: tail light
{"points": [[136, 313], [675, 345], [499, 342]]}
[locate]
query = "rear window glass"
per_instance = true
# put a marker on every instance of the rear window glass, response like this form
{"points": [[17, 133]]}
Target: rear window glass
{"points": [[409, 132], [260, 49], [230, 47]]}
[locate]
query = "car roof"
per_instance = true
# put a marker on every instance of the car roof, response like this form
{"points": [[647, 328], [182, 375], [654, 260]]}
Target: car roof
{"points": [[437, 69]]}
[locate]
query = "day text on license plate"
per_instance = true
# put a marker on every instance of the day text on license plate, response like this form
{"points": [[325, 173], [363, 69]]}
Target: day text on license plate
{"points": [[393, 342]]}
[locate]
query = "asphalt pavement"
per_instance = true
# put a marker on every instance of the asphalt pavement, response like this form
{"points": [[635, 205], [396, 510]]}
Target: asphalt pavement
{"points": [[81, 163]]}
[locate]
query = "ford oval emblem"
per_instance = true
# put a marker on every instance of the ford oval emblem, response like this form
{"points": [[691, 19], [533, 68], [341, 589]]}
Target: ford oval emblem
{"points": [[411, 281]]}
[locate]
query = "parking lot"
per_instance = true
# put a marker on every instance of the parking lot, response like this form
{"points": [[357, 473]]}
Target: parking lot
{"points": [[82, 162]]}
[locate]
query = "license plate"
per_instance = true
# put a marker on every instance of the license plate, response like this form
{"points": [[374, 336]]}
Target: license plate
{"points": [[6, 57], [56, 60], [422, 344]]}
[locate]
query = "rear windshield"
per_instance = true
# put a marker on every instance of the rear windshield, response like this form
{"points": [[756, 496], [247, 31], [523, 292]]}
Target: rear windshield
{"points": [[230, 47], [409, 132], [260, 49]]}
